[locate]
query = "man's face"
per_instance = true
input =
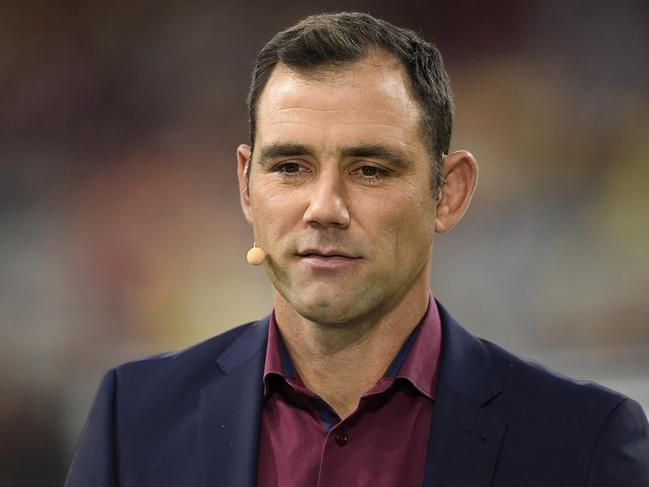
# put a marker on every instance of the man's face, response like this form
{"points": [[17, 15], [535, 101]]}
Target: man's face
{"points": [[340, 191]]}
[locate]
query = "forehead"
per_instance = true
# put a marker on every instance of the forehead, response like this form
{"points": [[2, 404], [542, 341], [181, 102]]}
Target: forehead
{"points": [[368, 99]]}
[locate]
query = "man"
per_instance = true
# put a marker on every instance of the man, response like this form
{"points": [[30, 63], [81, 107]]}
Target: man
{"points": [[358, 375]]}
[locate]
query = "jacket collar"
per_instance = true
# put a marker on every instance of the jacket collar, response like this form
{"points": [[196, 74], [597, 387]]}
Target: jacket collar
{"points": [[465, 438], [245, 346], [230, 412], [466, 364]]}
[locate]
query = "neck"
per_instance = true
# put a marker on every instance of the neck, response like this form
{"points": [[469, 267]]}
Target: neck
{"points": [[341, 362]]}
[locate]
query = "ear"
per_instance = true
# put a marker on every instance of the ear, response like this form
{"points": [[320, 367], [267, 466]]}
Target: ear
{"points": [[243, 161], [461, 175]]}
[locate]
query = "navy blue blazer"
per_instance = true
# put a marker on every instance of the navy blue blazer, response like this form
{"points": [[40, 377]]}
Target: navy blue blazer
{"points": [[192, 419]]}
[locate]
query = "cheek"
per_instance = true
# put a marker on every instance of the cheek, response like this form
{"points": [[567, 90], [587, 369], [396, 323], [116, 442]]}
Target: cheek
{"points": [[274, 212], [411, 224]]}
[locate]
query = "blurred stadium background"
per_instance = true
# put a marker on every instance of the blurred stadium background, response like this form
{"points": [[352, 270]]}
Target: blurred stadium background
{"points": [[120, 228]]}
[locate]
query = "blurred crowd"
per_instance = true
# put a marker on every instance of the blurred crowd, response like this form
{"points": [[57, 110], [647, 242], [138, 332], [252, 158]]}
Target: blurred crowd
{"points": [[120, 227]]}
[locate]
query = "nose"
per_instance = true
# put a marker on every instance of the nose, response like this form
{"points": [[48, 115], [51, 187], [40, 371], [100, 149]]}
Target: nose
{"points": [[327, 206]]}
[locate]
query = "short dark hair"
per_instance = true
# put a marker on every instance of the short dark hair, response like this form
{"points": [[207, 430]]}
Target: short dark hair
{"points": [[343, 38]]}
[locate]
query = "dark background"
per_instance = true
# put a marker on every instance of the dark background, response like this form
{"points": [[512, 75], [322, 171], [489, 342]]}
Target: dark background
{"points": [[120, 228]]}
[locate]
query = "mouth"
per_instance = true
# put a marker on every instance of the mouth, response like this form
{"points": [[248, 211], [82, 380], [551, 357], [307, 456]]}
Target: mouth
{"points": [[326, 254], [326, 259]]}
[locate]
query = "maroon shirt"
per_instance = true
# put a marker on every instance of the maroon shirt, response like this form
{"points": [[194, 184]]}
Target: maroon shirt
{"points": [[303, 442]]}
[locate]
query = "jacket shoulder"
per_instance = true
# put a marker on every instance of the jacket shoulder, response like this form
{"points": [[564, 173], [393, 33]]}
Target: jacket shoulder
{"points": [[586, 430], [539, 383], [188, 368]]}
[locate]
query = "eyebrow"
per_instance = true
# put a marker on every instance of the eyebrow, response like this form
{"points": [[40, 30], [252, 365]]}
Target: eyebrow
{"points": [[379, 151], [373, 151], [275, 151]]}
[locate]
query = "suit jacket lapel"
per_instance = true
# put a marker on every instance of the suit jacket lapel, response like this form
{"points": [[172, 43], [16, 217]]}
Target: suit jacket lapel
{"points": [[465, 438], [230, 412]]}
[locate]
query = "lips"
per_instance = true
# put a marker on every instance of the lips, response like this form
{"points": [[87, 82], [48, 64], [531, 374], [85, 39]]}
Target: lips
{"points": [[326, 253], [327, 260]]}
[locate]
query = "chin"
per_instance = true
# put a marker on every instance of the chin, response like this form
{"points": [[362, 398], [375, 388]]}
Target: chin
{"points": [[331, 310], [326, 316]]}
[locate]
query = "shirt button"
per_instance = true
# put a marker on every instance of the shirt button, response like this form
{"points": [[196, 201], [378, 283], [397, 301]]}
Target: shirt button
{"points": [[342, 438]]}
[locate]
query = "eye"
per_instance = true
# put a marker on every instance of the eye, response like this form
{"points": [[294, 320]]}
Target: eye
{"points": [[370, 171], [288, 168], [370, 174]]}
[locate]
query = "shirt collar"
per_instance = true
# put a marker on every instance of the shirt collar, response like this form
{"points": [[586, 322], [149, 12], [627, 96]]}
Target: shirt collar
{"points": [[417, 361], [420, 364]]}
